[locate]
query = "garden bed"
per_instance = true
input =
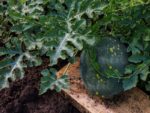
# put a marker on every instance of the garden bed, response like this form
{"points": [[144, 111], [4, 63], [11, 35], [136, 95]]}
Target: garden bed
{"points": [[39, 37]]}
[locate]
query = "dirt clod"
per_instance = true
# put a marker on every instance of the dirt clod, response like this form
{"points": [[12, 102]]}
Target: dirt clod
{"points": [[14, 107], [29, 94]]}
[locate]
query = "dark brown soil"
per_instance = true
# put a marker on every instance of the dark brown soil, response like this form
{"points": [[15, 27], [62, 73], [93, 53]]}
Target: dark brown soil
{"points": [[22, 96]]}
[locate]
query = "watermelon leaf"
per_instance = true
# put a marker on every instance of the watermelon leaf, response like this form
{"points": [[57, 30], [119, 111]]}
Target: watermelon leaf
{"points": [[50, 81]]}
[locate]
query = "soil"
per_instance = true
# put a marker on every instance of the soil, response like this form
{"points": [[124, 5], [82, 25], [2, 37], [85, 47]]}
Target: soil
{"points": [[22, 96]]}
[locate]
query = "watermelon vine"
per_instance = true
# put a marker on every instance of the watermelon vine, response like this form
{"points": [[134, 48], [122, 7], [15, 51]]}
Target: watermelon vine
{"points": [[31, 29], [52, 28]]}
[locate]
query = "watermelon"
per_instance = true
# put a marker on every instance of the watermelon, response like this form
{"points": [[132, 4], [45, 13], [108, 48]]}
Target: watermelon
{"points": [[110, 58]]}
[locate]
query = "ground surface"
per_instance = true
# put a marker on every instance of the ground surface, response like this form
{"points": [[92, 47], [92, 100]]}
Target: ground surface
{"points": [[22, 96]]}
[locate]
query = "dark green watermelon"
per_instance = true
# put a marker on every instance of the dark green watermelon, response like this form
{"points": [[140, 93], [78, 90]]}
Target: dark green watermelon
{"points": [[111, 56]]}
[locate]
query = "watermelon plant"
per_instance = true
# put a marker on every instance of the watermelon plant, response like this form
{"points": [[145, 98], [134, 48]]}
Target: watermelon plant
{"points": [[118, 63], [31, 29], [54, 28]]}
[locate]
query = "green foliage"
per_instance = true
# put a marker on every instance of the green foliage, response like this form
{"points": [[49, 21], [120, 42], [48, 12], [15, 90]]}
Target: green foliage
{"points": [[30, 29], [59, 29], [50, 81], [55, 28], [129, 22], [12, 65], [5, 23]]}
